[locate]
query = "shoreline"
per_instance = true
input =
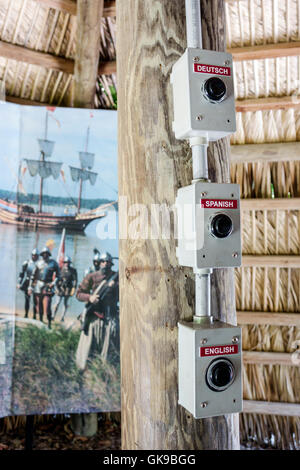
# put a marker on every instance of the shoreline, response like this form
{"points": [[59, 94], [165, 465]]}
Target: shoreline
{"points": [[19, 314]]}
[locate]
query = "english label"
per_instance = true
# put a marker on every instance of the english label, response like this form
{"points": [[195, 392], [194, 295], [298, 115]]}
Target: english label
{"points": [[219, 350]]}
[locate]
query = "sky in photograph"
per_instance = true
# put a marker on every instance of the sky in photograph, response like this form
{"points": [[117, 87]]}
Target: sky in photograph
{"points": [[20, 128]]}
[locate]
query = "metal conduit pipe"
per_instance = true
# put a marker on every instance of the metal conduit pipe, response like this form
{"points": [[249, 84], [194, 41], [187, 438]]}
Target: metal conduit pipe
{"points": [[200, 166], [202, 294], [193, 23], [199, 154]]}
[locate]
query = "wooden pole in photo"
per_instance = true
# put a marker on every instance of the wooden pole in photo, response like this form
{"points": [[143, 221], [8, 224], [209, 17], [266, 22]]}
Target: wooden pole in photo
{"points": [[155, 292], [89, 16]]}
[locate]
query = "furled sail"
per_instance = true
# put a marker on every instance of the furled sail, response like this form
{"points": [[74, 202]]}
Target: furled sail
{"points": [[86, 160], [44, 169], [79, 174], [46, 146]]}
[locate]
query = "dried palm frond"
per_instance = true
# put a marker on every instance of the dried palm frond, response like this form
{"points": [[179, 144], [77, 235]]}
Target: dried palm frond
{"points": [[35, 26], [264, 180]]}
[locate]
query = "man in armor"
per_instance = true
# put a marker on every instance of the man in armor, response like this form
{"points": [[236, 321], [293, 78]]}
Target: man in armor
{"points": [[23, 281], [47, 275], [66, 286], [100, 325], [96, 264]]}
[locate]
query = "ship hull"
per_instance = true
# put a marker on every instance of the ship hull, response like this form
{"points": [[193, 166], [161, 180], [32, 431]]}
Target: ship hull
{"points": [[33, 221]]}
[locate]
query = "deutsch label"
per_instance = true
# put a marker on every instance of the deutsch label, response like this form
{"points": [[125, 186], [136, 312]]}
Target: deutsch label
{"points": [[219, 350], [212, 69], [219, 203]]}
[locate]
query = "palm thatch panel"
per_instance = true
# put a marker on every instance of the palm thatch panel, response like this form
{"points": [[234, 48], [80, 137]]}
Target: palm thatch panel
{"points": [[108, 39], [34, 26], [267, 289], [28, 23], [31, 24], [274, 232], [253, 22], [267, 126], [267, 180], [267, 77], [268, 232], [278, 432]]}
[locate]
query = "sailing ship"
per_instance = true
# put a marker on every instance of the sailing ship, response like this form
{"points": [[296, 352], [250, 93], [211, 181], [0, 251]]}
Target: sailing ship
{"points": [[25, 216]]}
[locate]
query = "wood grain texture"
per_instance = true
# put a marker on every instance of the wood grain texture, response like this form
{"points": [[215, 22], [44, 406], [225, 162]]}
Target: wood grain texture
{"points": [[24, 101], [288, 203], [70, 6], [268, 358], [107, 68], [155, 292], [268, 318], [277, 152], [50, 61], [267, 104], [86, 65], [67, 6], [265, 51], [23, 54], [271, 261], [271, 408], [88, 31]]}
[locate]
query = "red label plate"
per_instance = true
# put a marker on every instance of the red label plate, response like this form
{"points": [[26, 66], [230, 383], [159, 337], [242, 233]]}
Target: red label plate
{"points": [[212, 69], [206, 351], [219, 203]]}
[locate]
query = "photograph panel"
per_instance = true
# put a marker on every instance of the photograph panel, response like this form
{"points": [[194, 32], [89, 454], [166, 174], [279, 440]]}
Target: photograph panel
{"points": [[64, 284]]}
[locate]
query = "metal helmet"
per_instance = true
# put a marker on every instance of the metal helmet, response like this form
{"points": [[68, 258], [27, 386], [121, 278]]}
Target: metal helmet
{"points": [[106, 257], [45, 250], [35, 252], [67, 259], [96, 257]]}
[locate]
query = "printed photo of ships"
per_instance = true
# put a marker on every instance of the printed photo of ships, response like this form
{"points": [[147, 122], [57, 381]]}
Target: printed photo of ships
{"points": [[59, 288]]}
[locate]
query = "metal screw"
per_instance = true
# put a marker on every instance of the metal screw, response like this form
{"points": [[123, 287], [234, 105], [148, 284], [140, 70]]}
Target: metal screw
{"points": [[196, 59], [204, 341], [203, 404], [199, 118], [227, 62], [235, 254], [235, 339], [203, 194]]}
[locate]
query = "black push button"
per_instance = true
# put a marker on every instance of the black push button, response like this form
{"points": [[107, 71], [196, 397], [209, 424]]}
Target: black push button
{"points": [[221, 226], [215, 89], [220, 375]]}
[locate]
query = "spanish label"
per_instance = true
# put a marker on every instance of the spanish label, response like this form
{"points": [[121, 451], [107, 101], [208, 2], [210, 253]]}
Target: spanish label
{"points": [[219, 203], [212, 69], [219, 350]]}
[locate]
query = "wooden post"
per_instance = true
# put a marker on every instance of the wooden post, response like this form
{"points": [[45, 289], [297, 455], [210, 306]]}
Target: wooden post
{"points": [[86, 66], [89, 16], [155, 292]]}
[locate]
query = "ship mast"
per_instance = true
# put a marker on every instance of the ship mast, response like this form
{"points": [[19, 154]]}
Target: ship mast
{"points": [[83, 174], [43, 159], [81, 180], [18, 185], [43, 167]]}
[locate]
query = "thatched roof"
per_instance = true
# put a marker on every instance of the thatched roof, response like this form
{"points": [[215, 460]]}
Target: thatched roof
{"points": [[35, 25], [256, 28]]}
